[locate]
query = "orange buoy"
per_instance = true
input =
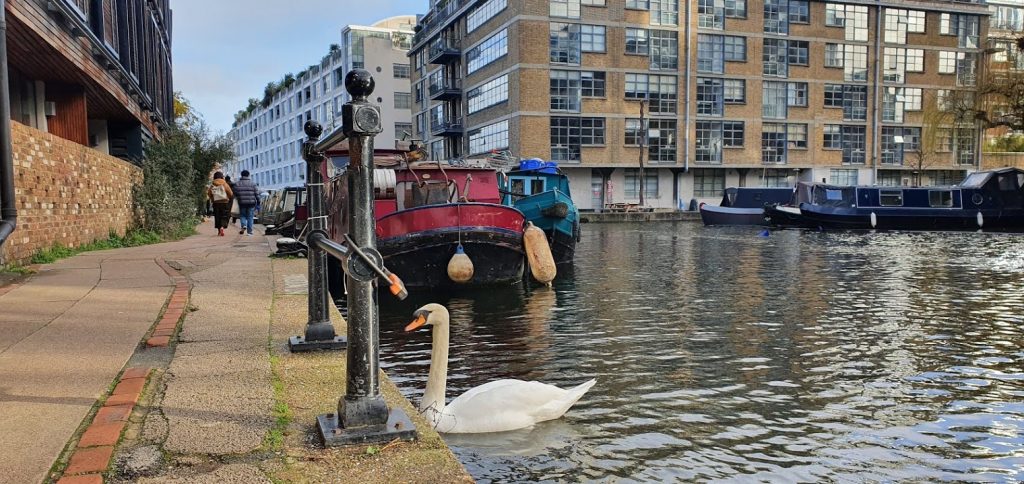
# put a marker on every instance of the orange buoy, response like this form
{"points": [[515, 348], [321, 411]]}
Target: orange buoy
{"points": [[460, 267], [538, 253]]}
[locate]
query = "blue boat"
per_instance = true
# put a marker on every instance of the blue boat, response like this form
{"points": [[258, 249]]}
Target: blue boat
{"points": [[541, 191], [744, 205], [988, 200]]}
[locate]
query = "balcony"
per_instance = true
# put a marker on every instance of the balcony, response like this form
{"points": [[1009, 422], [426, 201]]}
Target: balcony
{"points": [[446, 127], [444, 51], [445, 89]]}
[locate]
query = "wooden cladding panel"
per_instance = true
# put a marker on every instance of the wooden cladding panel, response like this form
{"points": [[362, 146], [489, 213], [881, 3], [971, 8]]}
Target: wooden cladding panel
{"points": [[71, 121], [110, 25]]}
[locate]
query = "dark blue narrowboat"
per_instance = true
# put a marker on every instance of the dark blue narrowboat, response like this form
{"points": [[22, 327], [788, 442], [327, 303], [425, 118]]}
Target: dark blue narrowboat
{"points": [[744, 205], [788, 215], [985, 200]]}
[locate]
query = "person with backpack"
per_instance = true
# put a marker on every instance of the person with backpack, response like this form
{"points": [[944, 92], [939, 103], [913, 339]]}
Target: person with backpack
{"points": [[220, 194], [248, 197], [234, 202]]}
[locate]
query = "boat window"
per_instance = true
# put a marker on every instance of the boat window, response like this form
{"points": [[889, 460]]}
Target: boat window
{"points": [[890, 198], [940, 198], [518, 188], [975, 180], [1007, 182], [536, 186], [833, 194]]}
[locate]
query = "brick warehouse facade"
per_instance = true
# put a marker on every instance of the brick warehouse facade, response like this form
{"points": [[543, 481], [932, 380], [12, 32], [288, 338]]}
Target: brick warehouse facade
{"points": [[737, 92], [90, 85], [67, 193]]}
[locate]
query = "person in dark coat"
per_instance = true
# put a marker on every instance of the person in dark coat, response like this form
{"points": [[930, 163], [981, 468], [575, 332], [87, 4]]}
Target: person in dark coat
{"points": [[220, 194], [248, 196], [231, 184]]}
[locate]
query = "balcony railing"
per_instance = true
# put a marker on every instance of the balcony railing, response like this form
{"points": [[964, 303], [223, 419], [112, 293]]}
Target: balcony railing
{"points": [[438, 17], [445, 89], [446, 127], [444, 51]]}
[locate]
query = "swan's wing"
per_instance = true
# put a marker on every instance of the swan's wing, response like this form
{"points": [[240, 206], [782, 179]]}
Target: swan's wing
{"points": [[508, 404]]}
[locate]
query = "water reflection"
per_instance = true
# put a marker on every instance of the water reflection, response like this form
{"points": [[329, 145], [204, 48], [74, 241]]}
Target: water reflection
{"points": [[722, 355]]}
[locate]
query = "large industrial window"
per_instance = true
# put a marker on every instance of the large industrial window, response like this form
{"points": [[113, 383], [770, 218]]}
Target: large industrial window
{"points": [[774, 57], [592, 83], [710, 98], [488, 51], [489, 138], [569, 134], [843, 176], [665, 12], [660, 91], [773, 143], [852, 98], [965, 27], [592, 38], [896, 101], [736, 8], [854, 18], [488, 94], [564, 43], [796, 94], [774, 99], [637, 42], [853, 143], [799, 52], [799, 12], [776, 17], [664, 50], [564, 8], [632, 183], [709, 142], [566, 92], [708, 182], [735, 48], [898, 22], [734, 91], [484, 13], [660, 137], [710, 53], [711, 14]]}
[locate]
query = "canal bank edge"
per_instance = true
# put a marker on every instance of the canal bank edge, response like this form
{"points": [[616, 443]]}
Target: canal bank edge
{"points": [[309, 384], [621, 217]]}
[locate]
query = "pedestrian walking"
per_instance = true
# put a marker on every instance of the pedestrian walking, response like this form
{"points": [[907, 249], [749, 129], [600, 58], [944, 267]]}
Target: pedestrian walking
{"points": [[248, 197], [220, 195], [234, 201]]}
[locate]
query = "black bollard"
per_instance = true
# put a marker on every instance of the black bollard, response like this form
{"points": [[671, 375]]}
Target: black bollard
{"points": [[320, 334], [362, 416]]}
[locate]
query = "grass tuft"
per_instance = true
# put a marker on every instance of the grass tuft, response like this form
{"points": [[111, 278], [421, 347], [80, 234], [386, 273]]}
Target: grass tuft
{"points": [[133, 238]]}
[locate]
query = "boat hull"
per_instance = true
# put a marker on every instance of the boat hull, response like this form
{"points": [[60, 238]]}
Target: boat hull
{"points": [[916, 219], [418, 243], [712, 215], [786, 216]]}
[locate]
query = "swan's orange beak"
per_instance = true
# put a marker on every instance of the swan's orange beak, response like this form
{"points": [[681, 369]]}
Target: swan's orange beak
{"points": [[416, 323]]}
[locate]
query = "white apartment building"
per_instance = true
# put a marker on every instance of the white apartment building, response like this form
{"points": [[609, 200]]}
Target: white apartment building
{"points": [[268, 140]]}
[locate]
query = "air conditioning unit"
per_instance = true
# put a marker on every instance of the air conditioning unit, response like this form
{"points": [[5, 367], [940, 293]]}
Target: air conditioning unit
{"points": [[50, 108]]}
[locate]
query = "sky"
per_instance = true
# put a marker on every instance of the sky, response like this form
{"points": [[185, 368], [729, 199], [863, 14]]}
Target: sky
{"points": [[226, 51]]}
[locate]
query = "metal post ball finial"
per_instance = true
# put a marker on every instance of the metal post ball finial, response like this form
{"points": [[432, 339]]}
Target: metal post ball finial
{"points": [[359, 83], [313, 129]]}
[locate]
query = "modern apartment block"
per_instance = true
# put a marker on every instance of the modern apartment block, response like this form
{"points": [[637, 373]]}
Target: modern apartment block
{"points": [[733, 92], [95, 72], [268, 139], [1005, 26]]}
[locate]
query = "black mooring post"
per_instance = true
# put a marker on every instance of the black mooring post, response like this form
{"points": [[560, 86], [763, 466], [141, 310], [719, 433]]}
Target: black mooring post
{"points": [[362, 414], [320, 334]]}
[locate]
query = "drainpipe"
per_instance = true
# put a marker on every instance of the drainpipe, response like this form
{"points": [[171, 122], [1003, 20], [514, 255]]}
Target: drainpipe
{"points": [[875, 130], [8, 211]]}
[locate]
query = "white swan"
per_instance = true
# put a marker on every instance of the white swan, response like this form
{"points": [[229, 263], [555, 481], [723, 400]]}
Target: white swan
{"points": [[496, 406]]}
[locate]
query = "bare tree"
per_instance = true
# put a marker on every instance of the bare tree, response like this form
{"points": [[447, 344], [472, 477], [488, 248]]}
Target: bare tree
{"points": [[934, 122]]}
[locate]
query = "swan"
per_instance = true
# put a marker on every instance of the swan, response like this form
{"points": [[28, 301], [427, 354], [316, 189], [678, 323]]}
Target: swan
{"points": [[495, 406]]}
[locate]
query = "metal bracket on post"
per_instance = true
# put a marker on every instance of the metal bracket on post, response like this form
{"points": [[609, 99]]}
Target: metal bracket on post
{"points": [[320, 334], [363, 416]]}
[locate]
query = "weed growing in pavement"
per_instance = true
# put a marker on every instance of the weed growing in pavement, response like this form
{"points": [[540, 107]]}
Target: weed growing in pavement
{"points": [[133, 238], [282, 413], [16, 269]]}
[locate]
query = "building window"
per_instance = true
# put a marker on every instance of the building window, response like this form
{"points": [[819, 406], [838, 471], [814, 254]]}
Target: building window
{"points": [[710, 16], [799, 52], [855, 62], [636, 42], [402, 100], [833, 55], [896, 141], [592, 38], [593, 3], [965, 27], [1006, 18], [592, 84], [898, 22], [776, 17], [710, 98], [898, 61], [736, 8], [799, 12], [484, 13], [565, 139], [796, 134], [773, 143], [714, 50], [664, 50], [852, 98], [660, 137], [796, 94], [401, 71], [488, 94], [947, 62], [488, 138], [566, 91], [775, 99], [774, 56], [734, 91], [632, 183], [852, 141], [854, 18], [708, 182], [709, 142], [833, 137], [637, 4], [896, 101], [565, 43], [660, 91], [735, 48], [488, 51], [664, 12], [843, 176], [591, 131], [564, 8]]}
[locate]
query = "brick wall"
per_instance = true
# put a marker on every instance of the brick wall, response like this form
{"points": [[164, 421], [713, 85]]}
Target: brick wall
{"points": [[66, 193]]}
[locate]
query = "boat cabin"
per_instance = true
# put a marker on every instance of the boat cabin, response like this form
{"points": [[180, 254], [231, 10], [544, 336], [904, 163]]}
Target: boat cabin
{"points": [[756, 197], [520, 184]]}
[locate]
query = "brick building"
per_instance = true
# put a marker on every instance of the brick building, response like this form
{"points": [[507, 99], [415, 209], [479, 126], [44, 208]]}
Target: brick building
{"points": [[735, 92], [90, 84]]}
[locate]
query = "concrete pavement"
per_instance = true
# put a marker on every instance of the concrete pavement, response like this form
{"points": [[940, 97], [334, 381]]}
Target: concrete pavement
{"points": [[65, 334]]}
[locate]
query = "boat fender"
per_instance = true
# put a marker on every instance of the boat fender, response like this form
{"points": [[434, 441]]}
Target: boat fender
{"points": [[538, 254], [460, 267], [981, 220], [874, 220], [764, 233]]}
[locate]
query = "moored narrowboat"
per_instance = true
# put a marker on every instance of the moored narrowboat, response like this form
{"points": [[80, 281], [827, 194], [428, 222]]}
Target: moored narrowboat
{"points": [[744, 205], [541, 192]]}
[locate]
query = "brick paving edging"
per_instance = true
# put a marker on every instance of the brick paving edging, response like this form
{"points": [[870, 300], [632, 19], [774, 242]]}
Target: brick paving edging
{"points": [[175, 308], [96, 447]]}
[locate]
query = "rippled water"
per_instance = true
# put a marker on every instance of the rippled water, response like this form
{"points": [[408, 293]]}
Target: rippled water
{"points": [[722, 355]]}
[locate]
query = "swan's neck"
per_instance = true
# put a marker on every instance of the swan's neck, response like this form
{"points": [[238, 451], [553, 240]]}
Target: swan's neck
{"points": [[437, 381]]}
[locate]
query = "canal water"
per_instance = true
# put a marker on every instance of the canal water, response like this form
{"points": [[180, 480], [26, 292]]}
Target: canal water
{"points": [[723, 355]]}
